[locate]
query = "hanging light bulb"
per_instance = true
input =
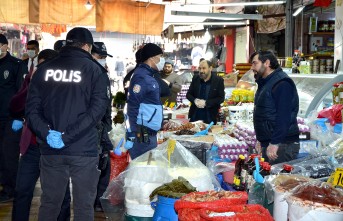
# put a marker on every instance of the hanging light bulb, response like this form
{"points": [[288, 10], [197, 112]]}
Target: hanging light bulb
{"points": [[207, 36], [88, 5]]}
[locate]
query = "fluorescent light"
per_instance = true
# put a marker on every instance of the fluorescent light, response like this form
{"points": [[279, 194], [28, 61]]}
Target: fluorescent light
{"points": [[219, 15], [207, 23], [300, 9], [240, 4]]}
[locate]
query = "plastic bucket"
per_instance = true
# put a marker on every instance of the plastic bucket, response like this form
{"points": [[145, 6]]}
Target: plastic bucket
{"points": [[164, 209], [303, 210], [137, 218]]}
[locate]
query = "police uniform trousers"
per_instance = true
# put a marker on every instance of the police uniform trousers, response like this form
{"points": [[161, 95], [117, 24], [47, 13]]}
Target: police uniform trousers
{"points": [[9, 158], [55, 173], [28, 174], [141, 148]]}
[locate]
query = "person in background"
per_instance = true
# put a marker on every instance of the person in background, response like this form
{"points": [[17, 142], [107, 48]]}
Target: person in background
{"points": [[63, 111], [99, 53], [206, 93], [143, 110], [12, 72], [119, 67], [126, 81], [173, 80], [32, 48], [59, 44], [276, 110], [28, 169]]}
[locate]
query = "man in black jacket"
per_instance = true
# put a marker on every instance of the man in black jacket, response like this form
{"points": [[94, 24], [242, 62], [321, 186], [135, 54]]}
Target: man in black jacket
{"points": [[67, 98], [12, 73], [206, 93]]}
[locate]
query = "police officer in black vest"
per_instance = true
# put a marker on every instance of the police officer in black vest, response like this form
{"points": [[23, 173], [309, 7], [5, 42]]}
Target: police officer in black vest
{"points": [[12, 71], [67, 98]]}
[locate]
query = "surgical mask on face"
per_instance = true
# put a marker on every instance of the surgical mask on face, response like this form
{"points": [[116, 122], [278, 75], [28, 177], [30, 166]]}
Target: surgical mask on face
{"points": [[31, 53], [160, 64], [102, 62]]}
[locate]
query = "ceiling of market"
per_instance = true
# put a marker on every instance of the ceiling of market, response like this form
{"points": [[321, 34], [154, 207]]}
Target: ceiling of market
{"points": [[127, 16]]}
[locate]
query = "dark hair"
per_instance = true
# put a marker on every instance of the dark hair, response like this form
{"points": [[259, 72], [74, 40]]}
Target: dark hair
{"points": [[266, 55], [47, 54], [77, 44], [201, 59], [208, 62], [33, 42]]}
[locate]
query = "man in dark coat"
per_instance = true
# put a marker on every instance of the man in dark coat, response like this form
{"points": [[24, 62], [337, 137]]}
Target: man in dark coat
{"points": [[206, 93]]}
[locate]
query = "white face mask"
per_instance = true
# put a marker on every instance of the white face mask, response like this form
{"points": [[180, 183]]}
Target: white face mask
{"points": [[160, 64], [31, 53], [102, 62]]}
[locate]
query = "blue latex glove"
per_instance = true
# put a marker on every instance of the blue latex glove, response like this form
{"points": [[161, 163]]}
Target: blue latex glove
{"points": [[17, 125], [128, 144], [54, 139]]}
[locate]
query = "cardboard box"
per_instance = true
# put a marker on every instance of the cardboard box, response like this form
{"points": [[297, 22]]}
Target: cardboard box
{"points": [[230, 80]]}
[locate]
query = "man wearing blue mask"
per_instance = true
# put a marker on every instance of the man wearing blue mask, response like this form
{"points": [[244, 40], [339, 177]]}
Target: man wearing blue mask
{"points": [[143, 110], [12, 71]]}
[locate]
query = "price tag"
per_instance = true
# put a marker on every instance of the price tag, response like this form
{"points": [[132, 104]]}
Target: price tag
{"points": [[338, 177]]}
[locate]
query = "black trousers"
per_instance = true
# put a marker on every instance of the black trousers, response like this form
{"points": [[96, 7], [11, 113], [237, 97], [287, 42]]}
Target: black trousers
{"points": [[28, 174], [2, 135], [104, 180], [10, 158], [55, 173]]}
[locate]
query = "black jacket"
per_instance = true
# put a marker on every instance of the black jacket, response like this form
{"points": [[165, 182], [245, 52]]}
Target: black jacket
{"points": [[69, 94], [12, 71], [215, 97], [266, 110]]}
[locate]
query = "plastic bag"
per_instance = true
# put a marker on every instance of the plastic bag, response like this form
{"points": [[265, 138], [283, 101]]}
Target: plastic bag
{"points": [[247, 81], [118, 164], [237, 212], [333, 113], [177, 161], [115, 193], [211, 200], [118, 131], [305, 201]]}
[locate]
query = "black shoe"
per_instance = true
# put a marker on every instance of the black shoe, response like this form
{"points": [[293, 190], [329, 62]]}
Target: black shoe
{"points": [[98, 208], [4, 197]]}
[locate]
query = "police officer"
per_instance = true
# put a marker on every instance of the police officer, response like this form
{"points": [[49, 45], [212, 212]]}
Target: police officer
{"points": [[12, 73], [67, 97], [143, 109], [99, 53]]}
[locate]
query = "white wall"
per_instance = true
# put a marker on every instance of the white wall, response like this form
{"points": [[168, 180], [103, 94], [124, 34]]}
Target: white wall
{"points": [[241, 46]]}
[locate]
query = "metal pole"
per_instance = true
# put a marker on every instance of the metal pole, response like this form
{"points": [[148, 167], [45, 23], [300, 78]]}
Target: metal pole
{"points": [[289, 29]]}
